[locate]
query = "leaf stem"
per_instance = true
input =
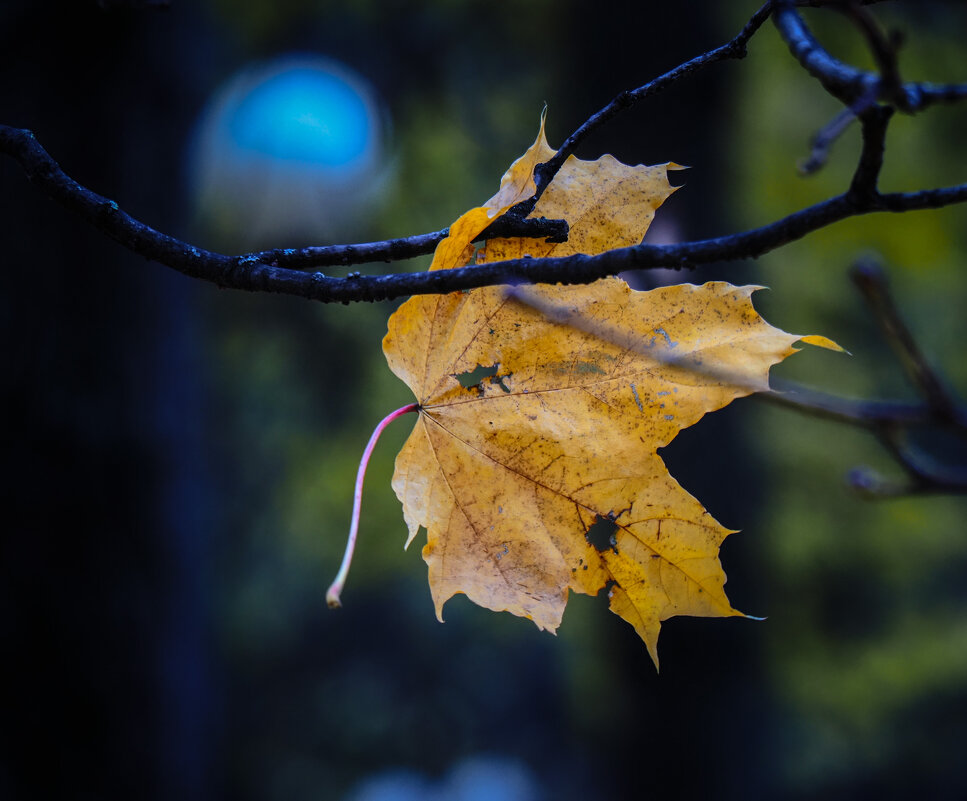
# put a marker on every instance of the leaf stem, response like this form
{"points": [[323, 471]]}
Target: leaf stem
{"points": [[332, 594]]}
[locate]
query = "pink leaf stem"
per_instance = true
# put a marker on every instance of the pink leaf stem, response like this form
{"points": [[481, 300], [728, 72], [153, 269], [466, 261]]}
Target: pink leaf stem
{"points": [[335, 589]]}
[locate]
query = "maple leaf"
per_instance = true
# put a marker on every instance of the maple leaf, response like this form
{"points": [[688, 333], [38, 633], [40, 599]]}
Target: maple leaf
{"points": [[508, 477], [607, 204], [515, 476]]}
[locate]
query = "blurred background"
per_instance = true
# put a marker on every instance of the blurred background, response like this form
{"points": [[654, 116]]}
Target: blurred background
{"points": [[179, 460]]}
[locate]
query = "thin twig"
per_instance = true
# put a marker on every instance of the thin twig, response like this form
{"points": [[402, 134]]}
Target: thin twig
{"points": [[823, 141], [924, 475], [408, 247], [871, 280], [735, 48], [883, 48], [860, 412]]}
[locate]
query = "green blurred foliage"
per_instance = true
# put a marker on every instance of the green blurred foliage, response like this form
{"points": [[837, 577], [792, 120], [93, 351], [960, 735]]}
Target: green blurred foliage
{"points": [[868, 654]]}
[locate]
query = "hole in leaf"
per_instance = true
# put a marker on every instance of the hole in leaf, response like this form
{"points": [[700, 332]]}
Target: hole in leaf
{"points": [[601, 534], [475, 378]]}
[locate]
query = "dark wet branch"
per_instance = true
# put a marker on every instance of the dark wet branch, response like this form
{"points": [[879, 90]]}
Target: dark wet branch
{"points": [[884, 48], [286, 270], [874, 121], [842, 81], [405, 247], [252, 272], [849, 84]]}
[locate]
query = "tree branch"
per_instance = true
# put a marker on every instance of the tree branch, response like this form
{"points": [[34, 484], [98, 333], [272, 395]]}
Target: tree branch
{"points": [[241, 272], [871, 280], [874, 121], [823, 141], [849, 84], [891, 421], [406, 247], [251, 272], [924, 475], [281, 270], [859, 412]]}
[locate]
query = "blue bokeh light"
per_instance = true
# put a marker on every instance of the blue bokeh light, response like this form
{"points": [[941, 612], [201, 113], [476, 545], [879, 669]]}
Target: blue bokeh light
{"points": [[290, 151], [304, 114]]}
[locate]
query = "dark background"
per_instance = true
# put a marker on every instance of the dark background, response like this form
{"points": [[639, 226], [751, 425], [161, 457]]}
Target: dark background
{"points": [[178, 460]]}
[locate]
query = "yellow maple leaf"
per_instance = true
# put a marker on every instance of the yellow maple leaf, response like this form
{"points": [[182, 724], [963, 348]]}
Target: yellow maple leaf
{"points": [[517, 183], [606, 203], [509, 476], [578, 387]]}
